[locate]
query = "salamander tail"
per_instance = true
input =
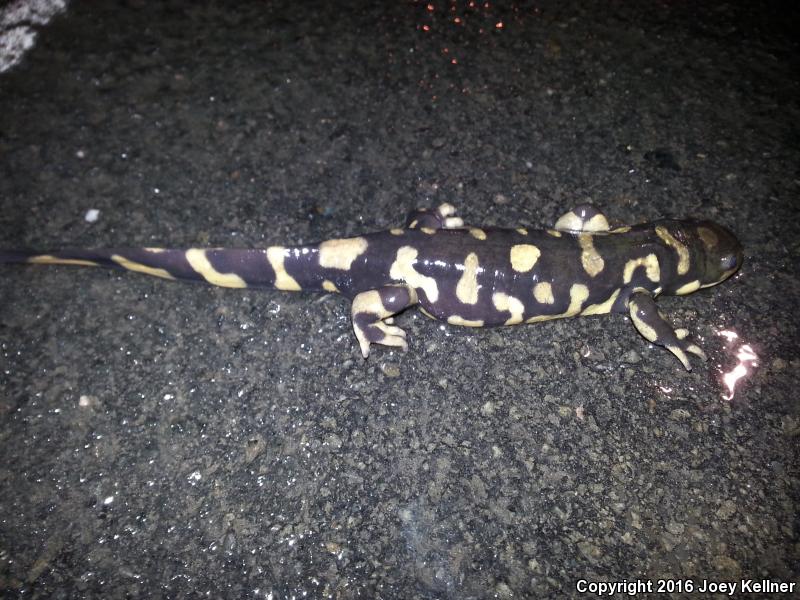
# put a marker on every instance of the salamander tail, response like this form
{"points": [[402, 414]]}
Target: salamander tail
{"points": [[284, 268], [15, 256]]}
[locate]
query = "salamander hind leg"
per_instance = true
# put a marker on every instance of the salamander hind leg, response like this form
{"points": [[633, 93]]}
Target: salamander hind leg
{"points": [[439, 218], [649, 322], [585, 218], [372, 314]]}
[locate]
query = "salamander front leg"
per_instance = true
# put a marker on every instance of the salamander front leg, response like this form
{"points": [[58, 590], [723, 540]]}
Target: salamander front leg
{"points": [[649, 322], [372, 313], [439, 218]]}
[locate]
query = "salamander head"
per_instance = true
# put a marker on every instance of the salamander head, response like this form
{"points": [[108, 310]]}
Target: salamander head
{"points": [[707, 254], [719, 253]]}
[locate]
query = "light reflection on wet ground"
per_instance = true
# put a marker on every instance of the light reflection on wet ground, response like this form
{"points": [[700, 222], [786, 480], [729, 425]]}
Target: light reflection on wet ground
{"points": [[747, 361], [19, 21]]}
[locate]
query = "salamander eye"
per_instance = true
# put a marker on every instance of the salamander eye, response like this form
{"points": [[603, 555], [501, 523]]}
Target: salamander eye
{"points": [[729, 261]]}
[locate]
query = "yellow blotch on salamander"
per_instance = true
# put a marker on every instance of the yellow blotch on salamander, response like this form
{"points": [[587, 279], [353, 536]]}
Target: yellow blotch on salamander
{"points": [[467, 287], [140, 268], [688, 288], [650, 264], [523, 257], [709, 238], [46, 259], [578, 294], [402, 269], [340, 254], [197, 259], [478, 234], [681, 249], [591, 260], [456, 320], [603, 307], [543, 292], [505, 303], [646, 330], [283, 281]]}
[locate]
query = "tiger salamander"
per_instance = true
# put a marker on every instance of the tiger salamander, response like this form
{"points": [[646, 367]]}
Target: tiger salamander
{"points": [[472, 276]]}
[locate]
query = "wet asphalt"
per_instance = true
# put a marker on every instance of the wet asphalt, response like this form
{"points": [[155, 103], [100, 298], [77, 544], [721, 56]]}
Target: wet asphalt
{"points": [[172, 440]]}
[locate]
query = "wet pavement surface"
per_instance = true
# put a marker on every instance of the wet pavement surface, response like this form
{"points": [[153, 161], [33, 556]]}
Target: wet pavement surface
{"points": [[175, 440]]}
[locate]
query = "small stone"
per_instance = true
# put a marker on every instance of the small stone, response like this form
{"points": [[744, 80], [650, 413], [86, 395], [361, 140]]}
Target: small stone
{"points": [[590, 551], [727, 567], [85, 400], [390, 370], [675, 528], [333, 441], [631, 357], [627, 538], [679, 414], [668, 542], [332, 547], [726, 510]]}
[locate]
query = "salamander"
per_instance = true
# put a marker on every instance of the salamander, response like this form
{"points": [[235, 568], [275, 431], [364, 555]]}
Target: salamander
{"points": [[470, 276]]}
